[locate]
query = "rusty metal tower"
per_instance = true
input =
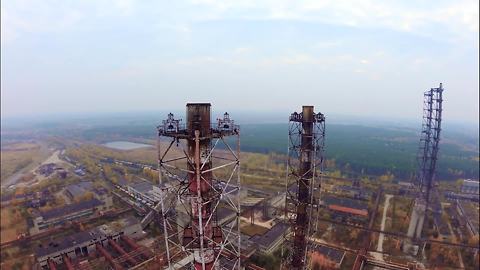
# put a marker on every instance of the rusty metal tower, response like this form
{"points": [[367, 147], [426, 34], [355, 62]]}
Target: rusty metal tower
{"points": [[426, 160], [429, 141], [305, 165], [196, 180]]}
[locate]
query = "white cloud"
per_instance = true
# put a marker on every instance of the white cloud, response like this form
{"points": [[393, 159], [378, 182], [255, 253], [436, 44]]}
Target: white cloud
{"points": [[49, 16], [456, 18], [452, 20]]}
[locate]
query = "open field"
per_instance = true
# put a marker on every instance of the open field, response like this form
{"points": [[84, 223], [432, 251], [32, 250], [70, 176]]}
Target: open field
{"points": [[262, 171], [12, 224], [16, 259], [21, 157]]}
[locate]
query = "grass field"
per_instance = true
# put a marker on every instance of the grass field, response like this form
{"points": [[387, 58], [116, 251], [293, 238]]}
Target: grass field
{"points": [[15, 157], [12, 224]]}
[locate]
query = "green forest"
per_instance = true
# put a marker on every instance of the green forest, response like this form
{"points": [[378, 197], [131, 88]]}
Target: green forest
{"points": [[355, 150], [362, 150]]}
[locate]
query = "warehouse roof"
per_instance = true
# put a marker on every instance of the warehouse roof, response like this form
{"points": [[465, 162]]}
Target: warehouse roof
{"points": [[223, 212], [70, 208], [64, 243], [141, 186], [347, 205], [471, 183], [271, 235]]}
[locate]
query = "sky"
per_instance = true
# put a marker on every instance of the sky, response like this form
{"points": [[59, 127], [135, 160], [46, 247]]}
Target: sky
{"points": [[369, 58]]}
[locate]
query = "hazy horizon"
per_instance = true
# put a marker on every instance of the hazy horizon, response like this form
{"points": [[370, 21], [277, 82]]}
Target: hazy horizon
{"points": [[241, 117]]}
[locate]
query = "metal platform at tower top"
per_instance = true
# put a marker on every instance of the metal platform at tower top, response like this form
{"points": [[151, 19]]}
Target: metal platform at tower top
{"points": [[306, 136], [196, 178]]}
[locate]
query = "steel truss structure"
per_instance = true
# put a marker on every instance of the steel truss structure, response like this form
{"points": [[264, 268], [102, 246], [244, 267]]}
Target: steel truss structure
{"points": [[429, 141], [426, 165], [306, 135], [197, 178]]}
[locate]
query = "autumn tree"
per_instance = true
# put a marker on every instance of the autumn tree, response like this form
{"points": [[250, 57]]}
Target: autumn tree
{"points": [[150, 174], [442, 255]]}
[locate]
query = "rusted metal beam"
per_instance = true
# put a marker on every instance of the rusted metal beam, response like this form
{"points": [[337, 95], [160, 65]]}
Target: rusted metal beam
{"points": [[136, 246], [122, 251], [51, 264], [68, 263], [109, 257]]}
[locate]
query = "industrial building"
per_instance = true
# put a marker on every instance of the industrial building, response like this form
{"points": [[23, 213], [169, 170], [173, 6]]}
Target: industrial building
{"points": [[72, 249], [144, 190], [272, 239], [141, 189], [352, 192], [43, 220], [468, 216], [46, 169], [470, 186], [75, 192], [346, 208]]}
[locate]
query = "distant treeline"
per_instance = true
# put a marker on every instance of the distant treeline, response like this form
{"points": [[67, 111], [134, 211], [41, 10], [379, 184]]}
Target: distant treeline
{"points": [[358, 150], [370, 150]]}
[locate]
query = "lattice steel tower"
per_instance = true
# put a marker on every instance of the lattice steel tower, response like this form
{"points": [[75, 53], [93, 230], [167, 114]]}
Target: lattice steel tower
{"points": [[197, 179], [430, 139], [427, 158], [305, 160]]}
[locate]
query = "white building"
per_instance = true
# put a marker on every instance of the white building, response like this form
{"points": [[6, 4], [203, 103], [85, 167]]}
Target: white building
{"points": [[470, 186]]}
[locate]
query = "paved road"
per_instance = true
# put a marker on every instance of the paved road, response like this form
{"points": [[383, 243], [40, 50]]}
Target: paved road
{"points": [[381, 237]]}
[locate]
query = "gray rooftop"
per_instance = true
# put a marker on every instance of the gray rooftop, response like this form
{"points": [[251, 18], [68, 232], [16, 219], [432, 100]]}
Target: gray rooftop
{"points": [[79, 188], [70, 208], [142, 186], [75, 190], [63, 243], [223, 212], [471, 183], [271, 235]]}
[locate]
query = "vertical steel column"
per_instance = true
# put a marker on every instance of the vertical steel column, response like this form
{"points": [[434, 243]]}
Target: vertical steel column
{"points": [[195, 182], [303, 195], [305, 162], [198, 126]]}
